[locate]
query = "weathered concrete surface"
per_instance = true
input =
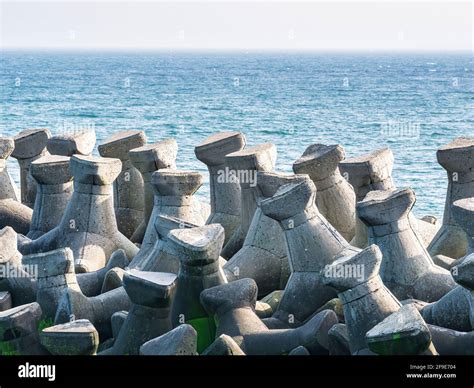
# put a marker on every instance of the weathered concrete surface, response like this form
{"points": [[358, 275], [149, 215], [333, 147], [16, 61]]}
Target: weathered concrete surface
{"points": [[53, 192], [80, 142], [463, 213], [88, 225], [97, 309], [299, 351], [128, 187], [76, 338], [181, 341], [457, 158], [336, 198], [91, 283], [19, 283], [373, 171], [455, 310], [223, 345], [443, 261], [233, 306], [366, 301], [19, 330], [55, 274], [339, 340], [448, 342], [161, 257], [16, 215], [30, 145], [151, 294], [148, 159], [224, 193], [407, 268], [402, 333], [8, 188], [198, 250], [12, 212], [174, 191], [311, 244], [5, 300], [263, 255], [244, 164]]}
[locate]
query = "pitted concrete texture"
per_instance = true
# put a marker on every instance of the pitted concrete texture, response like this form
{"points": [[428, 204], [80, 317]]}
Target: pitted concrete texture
{"points": [[457, 158], [88, 225], [129, 186], [30, 145], [336, 198], [224, 193]]}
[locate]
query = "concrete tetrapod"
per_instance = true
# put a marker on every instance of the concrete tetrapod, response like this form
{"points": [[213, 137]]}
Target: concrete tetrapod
{"points": [[407, 268], [224, 193], [181, 341], [19, 331], [263, 255], [404, 332], [161, 258], [365, 173], [5, 300], [8, 188], [243, 166], [198, 251], [450, 342], [19, 283], [151, 294], [336, 198], [463, 213], [339, 340], [223, 346], [97, 309], [30, 145], [91, 283], [55, 273], [366, 301], [80, 142], [455, 310], [12, 212], [173, 197], [457, 158], [233, 306], [88, 225], [147, 159], [311, 243], [373, 171], [128, 187], [76, 338], [53, 192]]}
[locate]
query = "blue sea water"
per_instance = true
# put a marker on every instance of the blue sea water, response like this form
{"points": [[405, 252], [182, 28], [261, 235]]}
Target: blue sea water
{"points": [[410, 103]]}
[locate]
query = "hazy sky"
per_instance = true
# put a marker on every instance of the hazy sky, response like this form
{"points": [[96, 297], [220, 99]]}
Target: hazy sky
{"points": [[433, 26]]}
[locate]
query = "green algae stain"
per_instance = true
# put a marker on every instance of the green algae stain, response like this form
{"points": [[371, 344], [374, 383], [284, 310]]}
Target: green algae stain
{"points": [[206, 331]]}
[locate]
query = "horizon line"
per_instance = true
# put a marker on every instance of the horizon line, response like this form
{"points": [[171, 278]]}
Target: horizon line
{"points": [[238, 50]]}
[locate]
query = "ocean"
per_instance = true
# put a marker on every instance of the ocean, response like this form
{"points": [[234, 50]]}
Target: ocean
{"points": [[412, 103]]}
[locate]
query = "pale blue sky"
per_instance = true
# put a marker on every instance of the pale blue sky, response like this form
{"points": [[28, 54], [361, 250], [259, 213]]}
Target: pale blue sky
{"points": [[425, 26]]}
